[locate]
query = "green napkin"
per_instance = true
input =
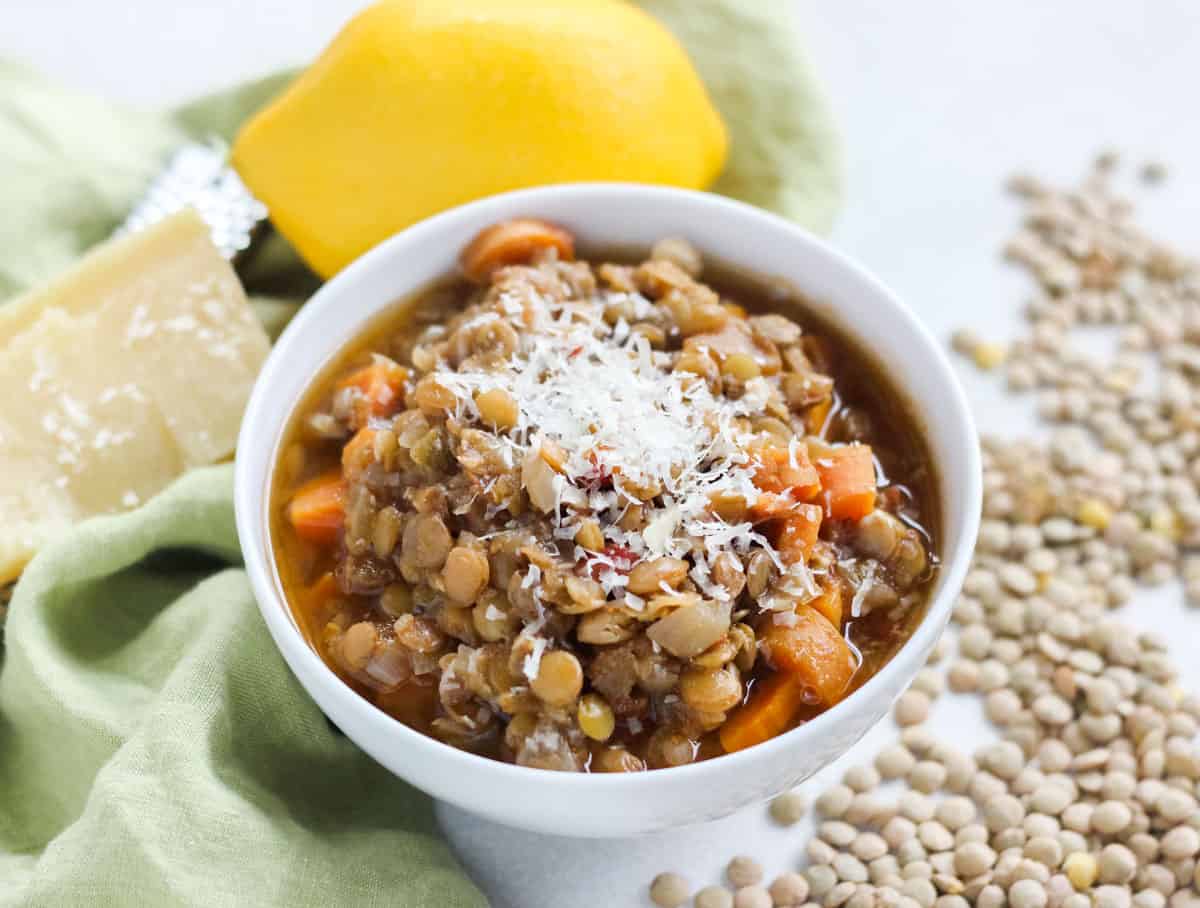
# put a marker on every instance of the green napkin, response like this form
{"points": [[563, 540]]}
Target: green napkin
{"points": [[157, 752], [154, 748]]}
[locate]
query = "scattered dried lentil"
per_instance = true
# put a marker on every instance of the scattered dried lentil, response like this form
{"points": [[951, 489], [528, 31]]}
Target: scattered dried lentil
{"points": [[789, 807], [752, 897], [669, 890], [1098, 761], [713, 897], [789, 890], [744, 871], [912, 708], [834, 801]]}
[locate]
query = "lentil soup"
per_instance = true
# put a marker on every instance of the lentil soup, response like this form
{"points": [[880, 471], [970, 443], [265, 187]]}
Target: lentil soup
{"points": [[603, 517]]}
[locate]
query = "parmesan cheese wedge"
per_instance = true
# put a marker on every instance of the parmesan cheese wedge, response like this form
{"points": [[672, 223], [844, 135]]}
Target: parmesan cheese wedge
{"points": [[117, 377]]}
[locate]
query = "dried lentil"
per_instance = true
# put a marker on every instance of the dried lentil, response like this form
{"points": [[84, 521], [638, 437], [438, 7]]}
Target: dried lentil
{"points": [[669, 890], [912, 708], [789, 807], [789, 890], [744, 871], [1099, 744], [752, 897], [713, 897]]}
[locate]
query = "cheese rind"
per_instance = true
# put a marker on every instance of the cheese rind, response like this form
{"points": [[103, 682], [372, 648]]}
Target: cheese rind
{"points": [[131, 368]]}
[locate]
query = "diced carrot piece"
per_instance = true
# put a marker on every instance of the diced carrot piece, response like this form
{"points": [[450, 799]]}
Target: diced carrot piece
{"points": [[829, 603], [773, 705], [798, 533], [358, 452], [513, 243], [814, 651], [317, 510], [771, 506], [382, 387], [322, 591], [816, 415], [848, 481], [781, 470]]}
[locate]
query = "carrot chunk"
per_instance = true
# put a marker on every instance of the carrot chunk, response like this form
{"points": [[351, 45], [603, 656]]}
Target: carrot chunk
{"points": [[813, 651], [783, 470], [513, 243], [382, 387], [829, 603], [798, 532], [847, 481], [773, 704], [318, 509], [771, 506], [816, 415], [358, 452]]}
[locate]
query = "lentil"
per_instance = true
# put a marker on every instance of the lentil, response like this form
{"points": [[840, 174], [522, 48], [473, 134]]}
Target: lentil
{"points": [[862, 778], [744, 871], [1117, 864], [837, 833], [1082, 870], [789, 807], [927, 776], [834, 801], [820, 852], [1180, 842], [850, 868], [912, 708], [868, 846], [1110, 817], [1112, 897], [839, 895], [752, 897], [1090, 801], [894, 762], [669, 890], [713, 897], [1027, 894], [821, 878], [963, 677], [789, 890]]}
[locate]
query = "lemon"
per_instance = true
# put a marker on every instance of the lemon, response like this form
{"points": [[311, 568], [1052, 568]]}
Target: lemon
{"points": [[419, 106]]}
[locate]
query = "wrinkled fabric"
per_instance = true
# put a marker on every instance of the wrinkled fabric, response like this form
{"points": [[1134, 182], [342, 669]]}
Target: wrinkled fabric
{"points": [[155, 750], [784, 151], [154, 747]]}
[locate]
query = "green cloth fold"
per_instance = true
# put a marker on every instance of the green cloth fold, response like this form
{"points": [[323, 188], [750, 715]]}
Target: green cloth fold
{"points": [[155, 750], [154, 747]]}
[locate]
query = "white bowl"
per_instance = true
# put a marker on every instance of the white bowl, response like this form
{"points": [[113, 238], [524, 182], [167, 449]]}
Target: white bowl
{"points": [[613, 214]]}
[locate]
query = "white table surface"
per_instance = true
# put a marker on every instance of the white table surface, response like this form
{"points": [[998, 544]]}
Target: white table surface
{"points": [[939, 102]]}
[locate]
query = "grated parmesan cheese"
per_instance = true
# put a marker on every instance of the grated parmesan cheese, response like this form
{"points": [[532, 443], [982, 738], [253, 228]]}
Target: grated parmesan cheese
{"points": [[533, 661], [620, 415], [862, 590]]}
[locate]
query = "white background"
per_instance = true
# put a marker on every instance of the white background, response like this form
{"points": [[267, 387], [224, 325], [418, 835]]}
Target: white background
{"points": [[939, 102]]}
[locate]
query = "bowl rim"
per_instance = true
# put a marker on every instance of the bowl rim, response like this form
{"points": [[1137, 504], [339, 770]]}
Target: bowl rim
{"points": [[252, 494]]}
